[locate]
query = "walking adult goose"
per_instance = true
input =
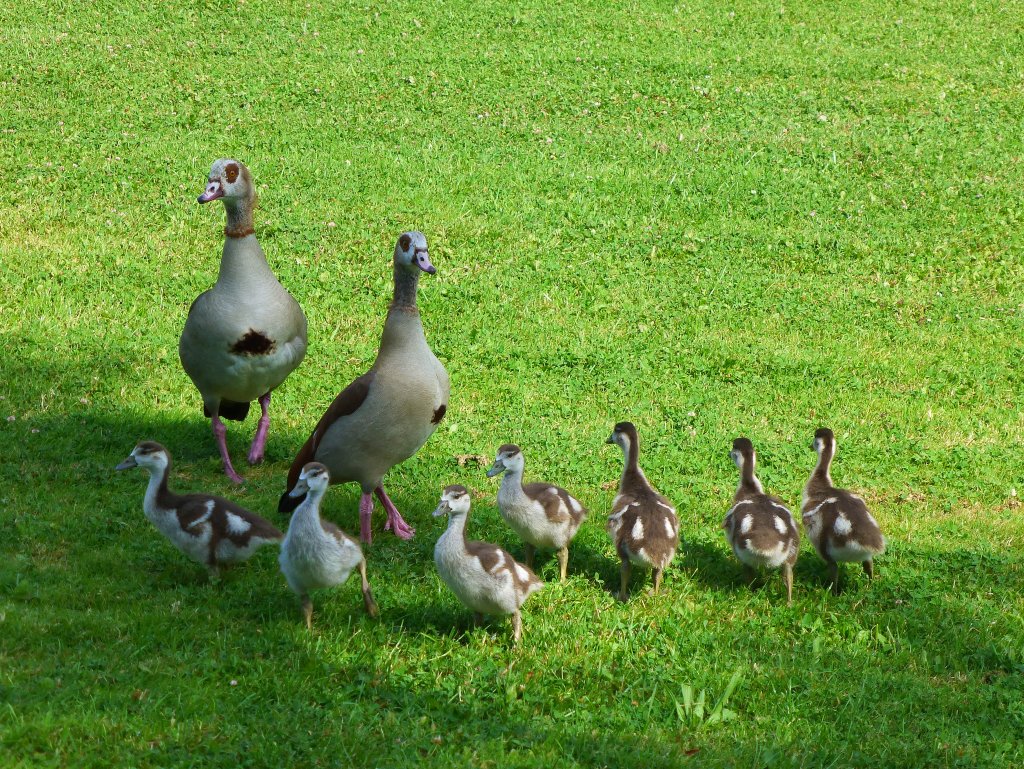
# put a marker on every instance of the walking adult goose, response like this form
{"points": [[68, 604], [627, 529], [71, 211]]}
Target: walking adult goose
{"points": [[484, 577], [384, 416], [210, 530], [759, 528], [315, 553], [643, 524], [837, 521], [245, 335], [541, 514]]}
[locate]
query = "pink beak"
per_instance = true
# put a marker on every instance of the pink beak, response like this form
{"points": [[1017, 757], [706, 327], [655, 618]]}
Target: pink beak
{"points": [[422, 260], [213, 191]]}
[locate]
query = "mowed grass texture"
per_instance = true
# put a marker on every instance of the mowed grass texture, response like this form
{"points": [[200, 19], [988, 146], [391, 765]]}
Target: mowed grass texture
{"points": [[713, 220]]}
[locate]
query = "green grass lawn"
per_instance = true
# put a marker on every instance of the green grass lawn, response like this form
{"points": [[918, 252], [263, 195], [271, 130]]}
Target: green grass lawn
{"points": [[754, 218]]}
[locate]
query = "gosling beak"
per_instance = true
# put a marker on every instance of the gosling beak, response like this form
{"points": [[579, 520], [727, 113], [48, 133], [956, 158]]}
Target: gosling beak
{"points": [[127, 464], [300, 490], [496, 469], [611, 438], [442, 509]]}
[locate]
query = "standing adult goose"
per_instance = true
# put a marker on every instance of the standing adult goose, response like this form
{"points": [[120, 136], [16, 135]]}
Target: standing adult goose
{"points": [[384, 416], [837, 521], [245, 335], [210, 530], [483, 576], [759, 528], [643, 524], [316, 553], [541, 514]]}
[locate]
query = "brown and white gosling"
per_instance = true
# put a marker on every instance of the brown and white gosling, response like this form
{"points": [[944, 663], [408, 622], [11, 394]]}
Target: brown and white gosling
{"points": [[210, 530], [483, 576], [837, 521], [758, 527], [643, 524], [541, 514], [315, 553]]}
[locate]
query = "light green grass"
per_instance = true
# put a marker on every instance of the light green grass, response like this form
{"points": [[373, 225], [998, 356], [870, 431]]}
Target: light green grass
{"points": [[752, 218]]}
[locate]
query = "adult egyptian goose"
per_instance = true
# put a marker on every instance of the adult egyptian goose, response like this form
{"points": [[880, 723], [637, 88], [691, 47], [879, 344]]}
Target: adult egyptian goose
{"points": [[759, 528], [210, 530], [837, 521], [316, 553], [541, 514], [484, 577], [245, 335], [384, 416], [643, 524]]}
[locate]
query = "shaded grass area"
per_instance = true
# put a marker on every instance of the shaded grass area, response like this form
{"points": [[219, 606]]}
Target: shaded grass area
{"points": [[711, 220]]}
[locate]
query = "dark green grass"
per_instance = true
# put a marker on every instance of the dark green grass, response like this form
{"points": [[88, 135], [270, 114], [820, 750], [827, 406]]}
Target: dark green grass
{"points": [[712, 220]]}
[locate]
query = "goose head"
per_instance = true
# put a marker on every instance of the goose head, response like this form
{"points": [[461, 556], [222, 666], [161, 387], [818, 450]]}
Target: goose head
{"points": [[510, 457], [411, 253], [149, 455], [314, 479], [455, 501], [229, 180], [742, 453]]}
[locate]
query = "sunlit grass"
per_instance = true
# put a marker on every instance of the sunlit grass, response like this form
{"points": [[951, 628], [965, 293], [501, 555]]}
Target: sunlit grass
{"points": [[712, 220]]}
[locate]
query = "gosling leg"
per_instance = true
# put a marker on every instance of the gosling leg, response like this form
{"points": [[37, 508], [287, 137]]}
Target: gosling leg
{"points": [[625, 573], [563, 562], [307, 610], [368, 602]]}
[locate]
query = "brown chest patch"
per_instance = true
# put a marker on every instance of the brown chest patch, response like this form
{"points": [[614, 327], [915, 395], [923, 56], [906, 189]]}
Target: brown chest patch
{"points": [[253, 343], [439, 413]]}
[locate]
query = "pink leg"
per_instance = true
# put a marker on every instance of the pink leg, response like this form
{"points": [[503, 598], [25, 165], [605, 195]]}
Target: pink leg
{"points": [[219, 432], [395, 522], [365, 513], [260, 441]]}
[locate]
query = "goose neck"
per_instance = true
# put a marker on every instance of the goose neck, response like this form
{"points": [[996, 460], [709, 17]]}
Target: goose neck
{"points": [[239, 218], [406, 286], [243, 262]]}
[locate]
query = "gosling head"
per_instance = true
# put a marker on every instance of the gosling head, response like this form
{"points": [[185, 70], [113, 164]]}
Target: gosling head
{"points": [[454, 502], [742, 453], [149, 455], [824, 440], [313, 479], [624, 435], [510, 457]]}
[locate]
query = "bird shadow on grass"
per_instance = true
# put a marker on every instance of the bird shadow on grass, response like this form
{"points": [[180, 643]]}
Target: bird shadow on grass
{"points": [[454, 622], [596, 566], [710, 565]]}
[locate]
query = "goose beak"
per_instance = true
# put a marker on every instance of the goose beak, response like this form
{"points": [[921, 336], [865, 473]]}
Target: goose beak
{"points": [[127, 464], [611, 438], [213, 191], [421, 258], [300, 490], [496, 469], [442, 509]]}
